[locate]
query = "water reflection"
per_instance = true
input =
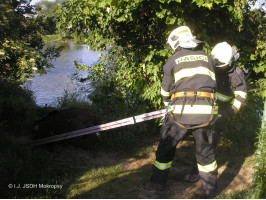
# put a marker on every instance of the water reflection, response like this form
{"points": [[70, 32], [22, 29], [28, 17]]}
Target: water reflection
{"points": [[50, 86]]}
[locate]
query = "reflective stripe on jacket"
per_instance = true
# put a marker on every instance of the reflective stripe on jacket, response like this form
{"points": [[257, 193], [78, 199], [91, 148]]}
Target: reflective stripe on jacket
{"points": [[231, 87], [189, 70]]}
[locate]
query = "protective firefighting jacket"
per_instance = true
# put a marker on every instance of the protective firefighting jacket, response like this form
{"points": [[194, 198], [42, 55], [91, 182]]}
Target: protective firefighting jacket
{"points": [[231, 88], [189, 71]]}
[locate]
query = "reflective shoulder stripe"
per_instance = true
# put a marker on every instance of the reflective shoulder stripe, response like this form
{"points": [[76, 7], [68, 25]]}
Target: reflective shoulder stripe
{"points": [[207, 168], [162, 166], [222, 97], [164, 93], [241, 93], [195, 109], [189, 72], [236, 103]]}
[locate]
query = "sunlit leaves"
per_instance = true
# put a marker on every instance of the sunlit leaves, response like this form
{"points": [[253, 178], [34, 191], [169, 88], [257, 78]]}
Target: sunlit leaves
{"points": [[137, 31], [161, 14], [21, 47], [170, 20]]}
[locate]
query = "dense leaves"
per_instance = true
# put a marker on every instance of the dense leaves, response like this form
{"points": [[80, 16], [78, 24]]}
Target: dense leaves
{"points": [[137, 32], [46, 15], [21, 47]]}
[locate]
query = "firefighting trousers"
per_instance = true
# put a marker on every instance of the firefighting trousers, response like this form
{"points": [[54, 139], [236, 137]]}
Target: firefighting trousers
{"points": [[220, 125], [171, 135]]}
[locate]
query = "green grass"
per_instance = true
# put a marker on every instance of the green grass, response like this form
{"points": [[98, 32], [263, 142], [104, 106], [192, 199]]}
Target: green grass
{"points": [[96, 178], [110, 170], [61, 39], [52, 38]]}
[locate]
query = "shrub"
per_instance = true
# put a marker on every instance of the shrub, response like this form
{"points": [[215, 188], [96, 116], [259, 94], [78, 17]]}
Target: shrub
{"points": [[17, 106], [241, 132], [107, 101]]}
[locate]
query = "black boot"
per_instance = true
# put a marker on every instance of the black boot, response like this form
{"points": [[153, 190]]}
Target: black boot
{"points": [[209, 183], [159, 178]]}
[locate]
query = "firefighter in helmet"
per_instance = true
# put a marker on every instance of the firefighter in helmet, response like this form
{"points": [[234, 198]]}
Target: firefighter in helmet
{"points": [[231, 92], [188, 89]]}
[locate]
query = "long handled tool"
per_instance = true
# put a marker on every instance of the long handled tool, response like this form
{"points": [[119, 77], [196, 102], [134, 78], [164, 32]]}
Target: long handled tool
{"points": [[102, 127]]}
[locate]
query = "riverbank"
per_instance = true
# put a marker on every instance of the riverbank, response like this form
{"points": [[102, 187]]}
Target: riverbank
{"points": [[75, 172], [120, 163], [57, 38]]}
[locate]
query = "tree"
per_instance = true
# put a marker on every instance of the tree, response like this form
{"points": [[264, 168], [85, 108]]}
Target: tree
{"points": [[46, 15], [21, 47], [138, 30]]}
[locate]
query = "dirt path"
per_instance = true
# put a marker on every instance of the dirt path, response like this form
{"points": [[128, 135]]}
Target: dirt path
{"points": [[132, 178]]}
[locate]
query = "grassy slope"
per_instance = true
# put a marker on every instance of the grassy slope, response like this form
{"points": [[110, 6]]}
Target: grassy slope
{"points": [[58, 38], [105, 173]]}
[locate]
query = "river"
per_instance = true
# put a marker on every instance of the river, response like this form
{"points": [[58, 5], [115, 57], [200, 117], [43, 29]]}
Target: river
{"points": [[50, 86]]}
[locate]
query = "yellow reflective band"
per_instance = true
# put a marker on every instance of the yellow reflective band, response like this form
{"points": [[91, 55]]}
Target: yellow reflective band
{"points": [[162, 166], [241, 93], [207, 168], [236, 103], [191, 58], [165, 103], [195, 109], [164, 93], [222, 97], [184, 73], [183, 31]]}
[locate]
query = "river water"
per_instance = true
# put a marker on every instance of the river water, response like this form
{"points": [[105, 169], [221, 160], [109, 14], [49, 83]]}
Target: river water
{"points": [[48, 87]]}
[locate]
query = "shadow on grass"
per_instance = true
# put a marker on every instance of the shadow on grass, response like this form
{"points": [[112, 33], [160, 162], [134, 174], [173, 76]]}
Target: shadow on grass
{"points": [[126, 177], [93, 173], [231, 161]]}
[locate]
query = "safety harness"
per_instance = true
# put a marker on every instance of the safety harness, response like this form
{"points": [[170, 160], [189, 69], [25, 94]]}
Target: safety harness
{"points": [[194, 94]]}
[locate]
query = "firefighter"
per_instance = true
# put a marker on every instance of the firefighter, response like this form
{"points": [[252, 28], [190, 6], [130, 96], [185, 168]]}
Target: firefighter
{"points": [[188, 89], [231, 92]]}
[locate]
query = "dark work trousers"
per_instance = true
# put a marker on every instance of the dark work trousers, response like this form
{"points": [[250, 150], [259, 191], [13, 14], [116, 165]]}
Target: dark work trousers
{"points": [[220, 125], [171, 135], [227, 113]]}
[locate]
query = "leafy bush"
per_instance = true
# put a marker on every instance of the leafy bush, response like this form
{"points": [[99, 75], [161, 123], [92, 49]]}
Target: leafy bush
{"points": [[259, 177], [71, 100], [17, 106], [242, 131], [108, 101]]}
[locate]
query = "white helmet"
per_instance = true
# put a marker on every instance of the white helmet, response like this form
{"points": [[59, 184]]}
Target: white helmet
{"points": [[222, 53], [182, 37]]}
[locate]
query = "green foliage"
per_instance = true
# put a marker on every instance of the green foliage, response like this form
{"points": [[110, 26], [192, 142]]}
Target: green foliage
{"points": [[110, 103], [46, 15], [17, 106], [242, 130], [137, 32], [259, 178], [48, 8], [70, 100], [51, 38], [21, 47]]}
